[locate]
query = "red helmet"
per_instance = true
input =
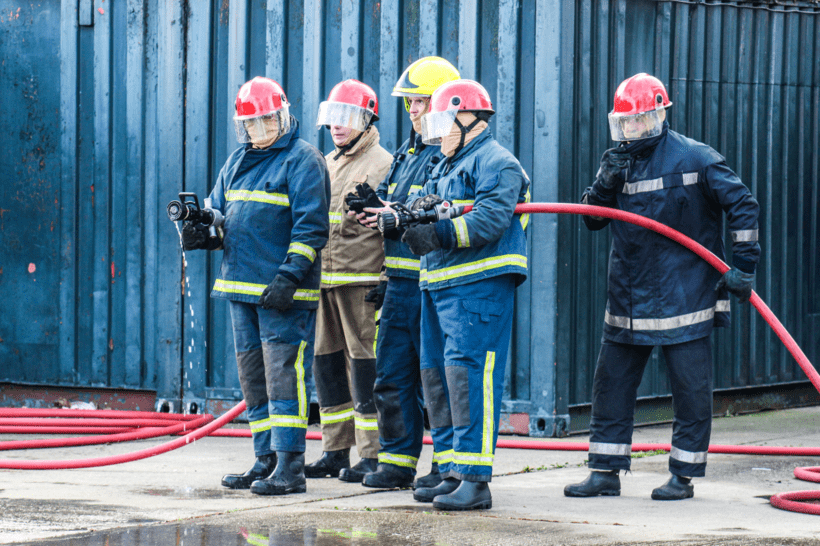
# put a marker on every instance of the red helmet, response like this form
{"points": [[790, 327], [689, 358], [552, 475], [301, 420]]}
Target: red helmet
{"points": [[636, 113], [447, 102], [261, 111], [350, 103]]}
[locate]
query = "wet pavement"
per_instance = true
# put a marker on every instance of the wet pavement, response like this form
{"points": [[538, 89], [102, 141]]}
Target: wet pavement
{"points": [[175, 498]]}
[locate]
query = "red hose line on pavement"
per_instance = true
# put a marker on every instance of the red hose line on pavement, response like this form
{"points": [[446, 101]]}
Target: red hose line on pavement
{"points": [[784, 500]]}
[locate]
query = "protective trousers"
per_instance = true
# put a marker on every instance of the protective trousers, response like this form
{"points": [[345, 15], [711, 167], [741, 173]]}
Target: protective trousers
{"points": [[274, 352], [397, 393], [617, 377], [466, 331], [345, 370]]}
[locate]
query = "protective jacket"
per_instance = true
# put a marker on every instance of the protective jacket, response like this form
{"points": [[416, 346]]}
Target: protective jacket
{"points": [[275, 204], [487, 241], [412, 164], [354, 253], [659, 293]]}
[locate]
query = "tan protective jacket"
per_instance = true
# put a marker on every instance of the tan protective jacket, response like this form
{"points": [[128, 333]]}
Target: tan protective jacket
{"points": [[354, 254]]}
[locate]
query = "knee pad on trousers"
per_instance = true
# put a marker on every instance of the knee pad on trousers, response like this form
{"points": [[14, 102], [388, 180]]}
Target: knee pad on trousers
{"points": [[363, 376], [328, 371], [280, 370], [435, 398], [387, 399], [251, 366], [458, 385]]}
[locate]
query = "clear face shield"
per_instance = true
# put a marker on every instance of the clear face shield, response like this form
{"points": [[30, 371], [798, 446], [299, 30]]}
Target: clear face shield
{"points": [[437, 125], [626, 128], [343, 115], [262, 128]]}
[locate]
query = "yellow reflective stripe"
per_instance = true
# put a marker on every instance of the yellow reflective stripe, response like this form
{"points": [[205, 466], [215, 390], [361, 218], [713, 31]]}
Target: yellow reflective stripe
{"points": [[402, 263], [392, 187], [258, 196], [462, 202], [235, 287], [299, 366], [474, 459], [365, 424], [462, 233], [525, 218], [336, 417], [335, 217], [470, 268], [288, 421], [304, 250], [399, 460], [376, 337], [489, 407], [257, 540], [306, 295], [260, 426], [344, 278], [443, 457]]}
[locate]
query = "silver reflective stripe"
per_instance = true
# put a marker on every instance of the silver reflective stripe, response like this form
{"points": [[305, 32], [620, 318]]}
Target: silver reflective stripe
{"points": [[610, 449], [690, 178], [744, 236], [722, 306], [692, 457], [644, 185], [618, 322], [655, 324]]}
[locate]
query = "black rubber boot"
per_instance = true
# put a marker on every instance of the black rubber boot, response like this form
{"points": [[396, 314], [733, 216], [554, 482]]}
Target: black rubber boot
{"points": [[677, 488], [262, 468], [355, 474], [607, 484], [444, 487], [467, 496], [329, 464], [387, 476], [287, 477], [430, 480]]}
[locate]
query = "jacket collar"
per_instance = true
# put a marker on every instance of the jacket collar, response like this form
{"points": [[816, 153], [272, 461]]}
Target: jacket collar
{"points": [[640, 149], [469, 148]]}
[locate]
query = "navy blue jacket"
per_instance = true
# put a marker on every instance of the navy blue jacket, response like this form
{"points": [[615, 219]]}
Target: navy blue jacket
{"points": [[275, 203], [406, 177], [660, 293]]}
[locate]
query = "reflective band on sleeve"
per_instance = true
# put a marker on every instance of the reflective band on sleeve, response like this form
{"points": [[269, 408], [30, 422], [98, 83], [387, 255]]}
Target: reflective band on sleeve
{"points": [[462, 234], [599, 448], [392, 188], [744, 236], [365, 424], [691, 457], [301, 393], [670, 323], [398, 459], [477, 459], [690, 178], [632, 188], [306, 295], [471, 268], [443, 457], [462, 201], [723, 306], [525, 218], [337, 417], [304, 250], [335, 217], [402, 263], [234, 287], [489, 407], [288, 421], [260, 426], [258, 196], [344, 278]]}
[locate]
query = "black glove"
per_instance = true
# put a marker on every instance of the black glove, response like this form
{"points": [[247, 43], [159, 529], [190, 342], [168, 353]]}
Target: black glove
{"points": [[613, 162], [278, 294], [738, 283], [364, 197], [194, 236], [376, 296], [426, 203], [421, 239]]}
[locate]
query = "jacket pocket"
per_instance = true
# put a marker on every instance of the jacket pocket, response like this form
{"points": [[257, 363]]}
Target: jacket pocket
{"points": [[481, 309]]}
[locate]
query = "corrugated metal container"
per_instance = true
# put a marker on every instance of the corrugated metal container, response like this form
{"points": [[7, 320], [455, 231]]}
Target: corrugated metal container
{"points": [[136, 107]]}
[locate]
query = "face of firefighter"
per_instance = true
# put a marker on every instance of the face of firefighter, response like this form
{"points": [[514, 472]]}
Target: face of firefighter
{"points": [[418, 107], [450, 143], [263, 134], [342, 135], [638, 124]]}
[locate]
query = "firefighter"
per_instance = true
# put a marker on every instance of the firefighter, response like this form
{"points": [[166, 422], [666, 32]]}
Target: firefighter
{"points": [[273, 193], [659, 293], [398, 390], [345, 363], [470, 267]]}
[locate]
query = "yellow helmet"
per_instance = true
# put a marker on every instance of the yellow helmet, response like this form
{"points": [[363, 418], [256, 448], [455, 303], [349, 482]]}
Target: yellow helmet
{"points": [[423, 77]]}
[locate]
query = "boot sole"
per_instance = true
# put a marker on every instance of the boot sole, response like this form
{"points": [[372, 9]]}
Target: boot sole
{"points": [[350, 479], [604, 493], [237, 486], [662, 498], [330, 474], [281, 491], [387, 486], [483, 505]]}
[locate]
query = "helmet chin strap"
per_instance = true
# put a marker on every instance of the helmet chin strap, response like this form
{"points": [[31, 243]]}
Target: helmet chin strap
{"points": [[349, 145], [465, 130]]}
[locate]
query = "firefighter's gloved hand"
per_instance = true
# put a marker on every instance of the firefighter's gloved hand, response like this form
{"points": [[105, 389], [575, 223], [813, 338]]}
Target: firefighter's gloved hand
{"points": [[426, 203], [194, 236], [422, 239], [364, 197], [613, 162], [376, 296], [738, 283], [278, 294]]}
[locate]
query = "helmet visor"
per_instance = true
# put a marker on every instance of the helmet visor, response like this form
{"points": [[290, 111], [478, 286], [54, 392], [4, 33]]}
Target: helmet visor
{"points": [[343, 115], [625, 128], [437, 125], [262, 128]]}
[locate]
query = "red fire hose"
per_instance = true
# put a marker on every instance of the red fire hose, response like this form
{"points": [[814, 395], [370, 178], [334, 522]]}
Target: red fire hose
{"points": [[178, 423]]}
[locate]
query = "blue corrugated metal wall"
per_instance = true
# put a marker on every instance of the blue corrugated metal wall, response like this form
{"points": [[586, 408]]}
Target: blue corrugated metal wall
{"points": [[137, 105]]}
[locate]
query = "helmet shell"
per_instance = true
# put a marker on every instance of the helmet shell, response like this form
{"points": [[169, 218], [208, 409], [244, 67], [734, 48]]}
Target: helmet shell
{"points": [[462, 95], [355, 93], [424, 76], [259, 97], [638, 94]]}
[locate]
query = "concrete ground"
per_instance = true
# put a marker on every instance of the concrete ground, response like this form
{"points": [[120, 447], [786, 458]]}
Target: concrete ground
{"points": [[175, 498]]}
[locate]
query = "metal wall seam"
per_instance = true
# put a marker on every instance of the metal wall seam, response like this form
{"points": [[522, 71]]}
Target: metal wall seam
{"points": [[312, 68], [68, 191], [349, 47], [468, 38], [276, 41], [237, 60], [428, 29], [389, 72], [505, 99]]}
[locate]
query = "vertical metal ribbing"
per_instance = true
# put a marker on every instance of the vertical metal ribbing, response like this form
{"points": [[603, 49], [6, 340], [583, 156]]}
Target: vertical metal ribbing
{"points": [[312, 65], [276, 42], [507, 89], [428, 28], [468, 27], [389, 71], [237, 61], [349, 49]]}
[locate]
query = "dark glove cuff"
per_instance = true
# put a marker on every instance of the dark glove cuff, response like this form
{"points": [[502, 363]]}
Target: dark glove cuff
{"points": [[446, 232], [743, 264], [289, 276]]}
